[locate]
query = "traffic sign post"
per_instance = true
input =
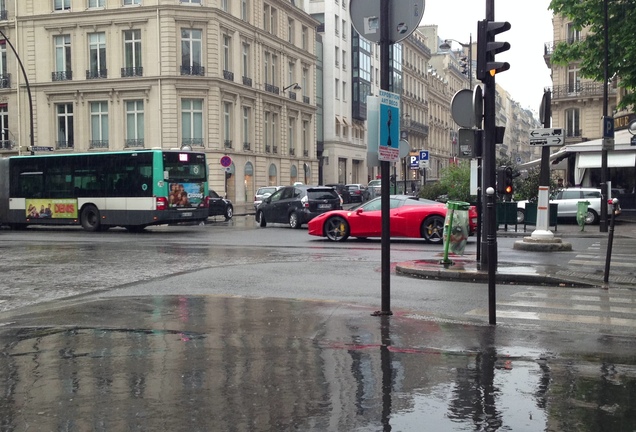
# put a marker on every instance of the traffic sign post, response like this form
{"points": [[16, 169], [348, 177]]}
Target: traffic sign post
{"points": [[423, 159], [389, 146], [547, 137]]}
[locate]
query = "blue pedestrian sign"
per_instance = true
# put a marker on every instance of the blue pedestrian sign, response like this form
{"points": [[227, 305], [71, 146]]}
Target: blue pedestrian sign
{"points": [[389, 146], [423, 158]]}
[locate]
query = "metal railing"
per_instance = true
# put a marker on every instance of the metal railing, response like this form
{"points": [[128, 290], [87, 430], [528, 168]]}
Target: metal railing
{"points": [[306, 99], [579, 89], [193, 70], [5, 81], [228, 75], [6, 144], [63, 144], [95, 74], [139, 142], [292, 95], [272, 88], [268, 148], [247, 81], [292, 151], [98, 144], [62, 76], [247, 146], [132, 72], [227, 144], [194, 142]]}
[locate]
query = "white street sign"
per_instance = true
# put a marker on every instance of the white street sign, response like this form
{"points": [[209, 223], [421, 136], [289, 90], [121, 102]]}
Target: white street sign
{"points": [[547, 137]]}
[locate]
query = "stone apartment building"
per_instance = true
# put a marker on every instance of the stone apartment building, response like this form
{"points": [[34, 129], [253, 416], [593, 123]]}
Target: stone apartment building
{"points": [[225, 77]]}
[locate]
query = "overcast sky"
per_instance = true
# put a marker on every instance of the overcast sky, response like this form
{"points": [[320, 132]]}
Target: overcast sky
{"points": [[531, 28]]}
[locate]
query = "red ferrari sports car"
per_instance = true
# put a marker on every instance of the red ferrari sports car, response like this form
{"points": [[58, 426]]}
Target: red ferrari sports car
{"points": [[410, 217]]}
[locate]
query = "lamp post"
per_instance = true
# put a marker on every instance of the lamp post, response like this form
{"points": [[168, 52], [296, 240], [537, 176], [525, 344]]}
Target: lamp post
{"points": [[28, 87], [446, 45], [294, 85]]}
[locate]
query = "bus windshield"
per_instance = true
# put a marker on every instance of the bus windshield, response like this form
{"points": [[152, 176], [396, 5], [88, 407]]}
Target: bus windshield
{"points": [[184, 167]]}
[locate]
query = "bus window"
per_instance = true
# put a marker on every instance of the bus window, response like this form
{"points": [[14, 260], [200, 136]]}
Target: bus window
{"points": [[30, 184]]}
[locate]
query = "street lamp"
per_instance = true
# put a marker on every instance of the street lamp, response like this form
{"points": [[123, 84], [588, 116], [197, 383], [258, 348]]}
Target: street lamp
{"points": [[28, 87], [446, 45], [294, 85]]}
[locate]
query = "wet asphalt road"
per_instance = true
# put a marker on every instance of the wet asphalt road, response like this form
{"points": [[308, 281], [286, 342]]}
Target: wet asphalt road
{"points": [[229, 327]]}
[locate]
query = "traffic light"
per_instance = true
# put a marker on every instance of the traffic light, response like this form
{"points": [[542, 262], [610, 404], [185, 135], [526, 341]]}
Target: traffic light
{"points": [[504, 181], [487, 48]]}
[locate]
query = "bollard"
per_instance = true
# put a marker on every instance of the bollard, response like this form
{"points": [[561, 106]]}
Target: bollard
{"points": [[581, 213], [449, 227], [610, 240]]}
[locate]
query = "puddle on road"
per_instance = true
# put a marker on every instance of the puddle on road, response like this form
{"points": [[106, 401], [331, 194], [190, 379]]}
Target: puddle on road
{"points": [[212, 363]]}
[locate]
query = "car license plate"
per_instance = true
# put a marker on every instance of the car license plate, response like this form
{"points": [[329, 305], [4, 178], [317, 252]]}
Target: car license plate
{"points": [[324, 206], [186, 214]]}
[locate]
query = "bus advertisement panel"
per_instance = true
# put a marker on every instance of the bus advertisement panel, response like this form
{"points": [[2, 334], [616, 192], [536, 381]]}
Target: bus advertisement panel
{"points": [[133, 189]]}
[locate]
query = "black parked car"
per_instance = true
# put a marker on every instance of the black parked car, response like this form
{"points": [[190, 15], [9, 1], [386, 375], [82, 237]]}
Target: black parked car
{"points": [[219, 206], [297, 205], [343, 191]]}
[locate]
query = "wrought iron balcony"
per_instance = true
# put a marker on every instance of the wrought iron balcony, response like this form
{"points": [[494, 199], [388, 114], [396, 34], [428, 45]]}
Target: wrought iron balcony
{"points": [[62, 76], [192, 142], [228, 75], [193, 70], [95, 74], [5, 81], [132, 72], [272, 88], [275, 148], [63, 144], [247, 81], [306, 99], [306, 153], [247, 146], [291, 95], [585, 89], [227, 144], [268, 148], [98, 144], [292, 151], [135, 142], [6, 145], [573, 133], [4, 15]]}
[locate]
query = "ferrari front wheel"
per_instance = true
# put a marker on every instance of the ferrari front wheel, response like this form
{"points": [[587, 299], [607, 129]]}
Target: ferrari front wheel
{"points": [[337, 229], [432, 229]]}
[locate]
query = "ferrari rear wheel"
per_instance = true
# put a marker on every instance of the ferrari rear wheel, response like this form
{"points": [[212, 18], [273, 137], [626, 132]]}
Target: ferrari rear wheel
{"points": [[337, 229], [432, 229]]}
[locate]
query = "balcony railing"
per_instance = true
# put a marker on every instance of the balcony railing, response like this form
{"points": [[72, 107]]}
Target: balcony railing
{"points": [[6, 145], [193, 142], [268, 148], [548, 47], [292, 151], [586, 89], [275, 148], [95, 74], [306, 153], [5, 81], [573, 133], [193, 70], [63, 144], [132, 72], [292, 95], [62, 76], [98, 144], [4, 15], [306, 99], [247, 81], [139, 142], [228, 75], [272, 88], [227, 144], [247, 146]]}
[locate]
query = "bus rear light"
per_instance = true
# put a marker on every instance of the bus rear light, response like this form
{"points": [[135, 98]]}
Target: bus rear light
{"points": [[161, 203]]}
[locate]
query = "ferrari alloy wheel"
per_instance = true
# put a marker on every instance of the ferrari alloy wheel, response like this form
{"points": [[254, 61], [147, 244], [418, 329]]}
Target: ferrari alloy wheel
{"points": [[337, 229], [432, 229]]}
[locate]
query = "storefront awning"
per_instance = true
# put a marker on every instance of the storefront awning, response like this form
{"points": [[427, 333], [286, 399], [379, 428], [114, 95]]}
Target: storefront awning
{"points": [[623, 159]]}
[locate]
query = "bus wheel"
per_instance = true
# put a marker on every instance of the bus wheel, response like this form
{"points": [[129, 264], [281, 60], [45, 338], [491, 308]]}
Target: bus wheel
{"points": [[90, 218]]}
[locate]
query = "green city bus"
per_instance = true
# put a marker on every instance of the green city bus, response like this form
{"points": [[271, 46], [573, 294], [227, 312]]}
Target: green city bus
{"points": [[133, 189]]}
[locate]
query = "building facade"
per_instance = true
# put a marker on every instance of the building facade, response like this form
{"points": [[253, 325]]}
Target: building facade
{"points": [[233, 78]]}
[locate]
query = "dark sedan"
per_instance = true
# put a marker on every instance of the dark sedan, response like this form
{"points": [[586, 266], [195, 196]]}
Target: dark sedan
{"points": [[219, 206], [297, 205]]}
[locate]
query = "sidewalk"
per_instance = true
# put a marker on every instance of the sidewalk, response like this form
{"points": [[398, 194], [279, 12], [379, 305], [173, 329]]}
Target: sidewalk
{"points": [[467, 269]]}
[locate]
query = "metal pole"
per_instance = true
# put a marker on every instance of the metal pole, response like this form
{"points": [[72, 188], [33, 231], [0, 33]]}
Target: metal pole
{"points": [[28, 87], [610, 241], [385, 167], [470, 62], [604, 169]]}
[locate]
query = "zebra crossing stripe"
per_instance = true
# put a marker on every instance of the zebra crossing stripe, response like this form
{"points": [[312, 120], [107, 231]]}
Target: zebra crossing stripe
{"points": [[563, 318]]}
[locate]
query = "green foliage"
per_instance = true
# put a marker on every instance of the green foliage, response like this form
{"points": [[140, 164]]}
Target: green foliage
{"points": [[590, 50], [454, 184], [527, 186]]}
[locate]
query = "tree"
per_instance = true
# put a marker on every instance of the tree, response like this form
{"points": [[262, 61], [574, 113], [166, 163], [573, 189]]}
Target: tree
{"points": [[589, 52], [454, 184]]}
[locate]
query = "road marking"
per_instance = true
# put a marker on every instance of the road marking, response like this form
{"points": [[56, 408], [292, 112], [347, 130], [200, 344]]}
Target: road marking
{"points": [[629, 299], [578, 307], [597, 263], [539, 316]]}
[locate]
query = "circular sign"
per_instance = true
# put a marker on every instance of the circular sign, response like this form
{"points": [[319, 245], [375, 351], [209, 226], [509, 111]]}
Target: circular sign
{"points": [[462, 108], [226, 161]]}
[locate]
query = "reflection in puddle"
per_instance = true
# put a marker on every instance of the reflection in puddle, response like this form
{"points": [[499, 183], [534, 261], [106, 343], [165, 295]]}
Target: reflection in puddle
{"points": [[211, 363]]}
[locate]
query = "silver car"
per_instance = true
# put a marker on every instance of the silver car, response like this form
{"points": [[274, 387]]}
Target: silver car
{"points": [[264, 192]]}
